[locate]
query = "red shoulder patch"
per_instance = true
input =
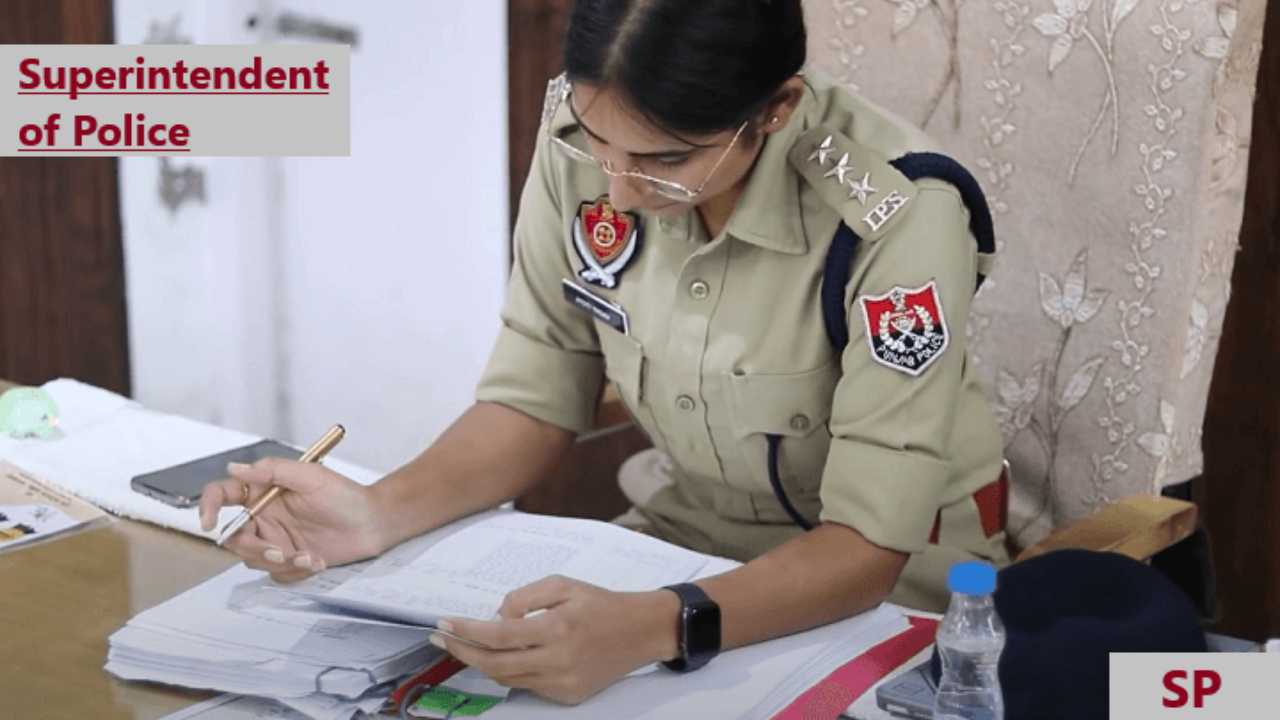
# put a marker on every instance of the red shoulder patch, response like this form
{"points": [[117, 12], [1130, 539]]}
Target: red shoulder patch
{"points": [[906, 328]]}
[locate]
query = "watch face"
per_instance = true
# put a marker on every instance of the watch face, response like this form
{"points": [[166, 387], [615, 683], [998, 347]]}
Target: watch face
{"points": [[702, 628]]}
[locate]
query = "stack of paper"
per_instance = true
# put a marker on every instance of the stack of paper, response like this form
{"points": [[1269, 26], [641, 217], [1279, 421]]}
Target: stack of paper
{"points": [[248, 707], [236, 633], [237, 707]]}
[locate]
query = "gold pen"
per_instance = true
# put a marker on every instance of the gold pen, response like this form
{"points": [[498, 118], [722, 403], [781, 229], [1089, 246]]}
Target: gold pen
{"points": [[314, 454]]}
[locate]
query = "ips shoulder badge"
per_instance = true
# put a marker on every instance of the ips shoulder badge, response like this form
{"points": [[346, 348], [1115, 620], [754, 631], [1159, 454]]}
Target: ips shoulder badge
{"points": [[906, 328], [606, 240]]}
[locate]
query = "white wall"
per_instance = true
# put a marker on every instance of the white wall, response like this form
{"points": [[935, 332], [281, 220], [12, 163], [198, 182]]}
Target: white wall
{"points": [[400, 250], [196, 279], [361, 290]]}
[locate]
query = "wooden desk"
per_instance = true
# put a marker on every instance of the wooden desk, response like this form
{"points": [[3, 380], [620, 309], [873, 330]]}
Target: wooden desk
{"points": [[60, 599]]}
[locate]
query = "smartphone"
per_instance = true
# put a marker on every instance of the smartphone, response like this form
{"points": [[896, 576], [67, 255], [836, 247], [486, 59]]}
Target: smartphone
{"points": [[181, 485], [910, 695]]}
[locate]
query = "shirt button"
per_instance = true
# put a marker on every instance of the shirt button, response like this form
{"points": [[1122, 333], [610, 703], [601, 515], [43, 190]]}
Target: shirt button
{"points": [[699, 290], [799, 423], [685, 403]]}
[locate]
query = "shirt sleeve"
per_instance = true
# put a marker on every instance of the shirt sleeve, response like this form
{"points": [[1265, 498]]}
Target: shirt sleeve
{"points": [[546, 362], [888, 465]]}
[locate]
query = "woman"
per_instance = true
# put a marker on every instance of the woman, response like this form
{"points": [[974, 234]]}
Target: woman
{"points": [[673, 236]]}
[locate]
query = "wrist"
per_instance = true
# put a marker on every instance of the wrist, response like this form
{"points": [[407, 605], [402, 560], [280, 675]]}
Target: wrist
{"points": [[383, 520], [661, 628]]}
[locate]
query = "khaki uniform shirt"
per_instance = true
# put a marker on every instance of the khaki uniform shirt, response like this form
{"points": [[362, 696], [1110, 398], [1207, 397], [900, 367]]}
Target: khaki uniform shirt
{"points": [[726, 343]]}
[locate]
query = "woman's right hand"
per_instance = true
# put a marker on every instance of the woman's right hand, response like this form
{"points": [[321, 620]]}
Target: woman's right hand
{"points": [[321, 518]]}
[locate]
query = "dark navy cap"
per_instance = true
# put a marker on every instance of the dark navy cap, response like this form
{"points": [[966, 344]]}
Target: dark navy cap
{"points": [[1064, 612]]}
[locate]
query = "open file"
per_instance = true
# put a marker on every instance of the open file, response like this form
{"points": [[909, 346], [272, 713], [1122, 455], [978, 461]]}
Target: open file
{"points": [[467, 568]]}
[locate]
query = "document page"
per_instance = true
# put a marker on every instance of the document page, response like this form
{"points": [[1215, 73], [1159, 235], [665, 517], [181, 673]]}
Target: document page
{"points": [[31, 510], [467, 572]]}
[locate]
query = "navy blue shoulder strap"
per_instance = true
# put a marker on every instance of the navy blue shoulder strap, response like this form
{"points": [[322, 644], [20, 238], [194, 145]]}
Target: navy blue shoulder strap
{"points": [[940, 167], [835, 276], [839, 262]]}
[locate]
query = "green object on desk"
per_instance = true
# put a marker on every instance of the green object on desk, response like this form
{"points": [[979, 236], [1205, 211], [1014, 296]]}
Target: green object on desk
{"points": [[28, 412], [443, 702]]}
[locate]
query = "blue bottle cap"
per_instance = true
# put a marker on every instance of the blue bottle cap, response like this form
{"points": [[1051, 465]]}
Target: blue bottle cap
{"points": [[972, 578]]}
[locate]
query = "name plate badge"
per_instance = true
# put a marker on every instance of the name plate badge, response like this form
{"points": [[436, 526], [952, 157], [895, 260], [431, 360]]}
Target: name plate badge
{"points": [[603, 310]]}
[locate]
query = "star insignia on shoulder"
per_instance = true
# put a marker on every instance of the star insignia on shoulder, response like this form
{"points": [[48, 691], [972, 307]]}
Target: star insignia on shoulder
{"points": [[557, 91], [841, 169], [862, 189], [822, 151]]}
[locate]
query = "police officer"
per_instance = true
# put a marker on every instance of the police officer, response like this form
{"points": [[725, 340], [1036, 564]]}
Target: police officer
{"points": [[776, 280]]}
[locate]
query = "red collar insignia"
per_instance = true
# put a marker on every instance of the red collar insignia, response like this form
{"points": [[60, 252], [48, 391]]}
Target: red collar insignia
{"points": [[606, 241]]}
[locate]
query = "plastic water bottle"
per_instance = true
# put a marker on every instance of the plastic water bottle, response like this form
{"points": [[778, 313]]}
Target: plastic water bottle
{"points": [[970, 640]]}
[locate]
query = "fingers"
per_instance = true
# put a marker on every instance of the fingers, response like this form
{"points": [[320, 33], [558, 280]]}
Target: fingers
{"points": [[495, 663], [543, 594], [518, 634], [259, 473], [291, 575], [256, 550], [525, 681], [256, 479], [273, 535], [279, 534], [288, 474], [263, 545], [218, 494]]}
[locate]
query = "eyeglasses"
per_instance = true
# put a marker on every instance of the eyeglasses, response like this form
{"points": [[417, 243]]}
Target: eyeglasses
{"points": [[666, 188]]}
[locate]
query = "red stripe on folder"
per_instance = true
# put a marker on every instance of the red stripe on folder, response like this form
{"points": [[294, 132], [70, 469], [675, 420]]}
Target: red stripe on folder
{"points": [[833, 695]]}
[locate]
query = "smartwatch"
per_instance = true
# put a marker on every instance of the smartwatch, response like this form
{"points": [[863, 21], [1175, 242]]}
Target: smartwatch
{"points": [[699, 628]]}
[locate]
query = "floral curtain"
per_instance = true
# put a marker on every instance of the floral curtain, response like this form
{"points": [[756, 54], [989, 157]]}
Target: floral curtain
{"points": [[1111, 138]]}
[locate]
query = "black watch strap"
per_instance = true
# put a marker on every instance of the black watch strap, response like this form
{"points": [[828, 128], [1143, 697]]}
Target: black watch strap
{"points": [[699, 628]]}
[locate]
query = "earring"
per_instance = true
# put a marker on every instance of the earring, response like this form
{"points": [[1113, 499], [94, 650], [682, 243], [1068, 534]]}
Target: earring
{"points": [[774, 120]]}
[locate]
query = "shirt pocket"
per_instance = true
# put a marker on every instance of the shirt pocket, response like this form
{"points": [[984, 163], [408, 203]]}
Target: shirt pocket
{"points": [[797, 408], [623, 366]]}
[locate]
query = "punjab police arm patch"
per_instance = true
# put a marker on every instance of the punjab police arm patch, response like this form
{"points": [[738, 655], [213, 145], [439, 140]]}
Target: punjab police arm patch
{"points": [[906, 328], [606, 241]]}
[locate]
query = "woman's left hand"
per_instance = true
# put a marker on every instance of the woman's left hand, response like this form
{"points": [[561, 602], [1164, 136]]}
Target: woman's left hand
{"points": [[586, 638]]}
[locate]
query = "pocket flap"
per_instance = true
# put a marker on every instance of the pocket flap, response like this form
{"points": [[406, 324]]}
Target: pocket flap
{"points": [[790, 404], [623, 363]]}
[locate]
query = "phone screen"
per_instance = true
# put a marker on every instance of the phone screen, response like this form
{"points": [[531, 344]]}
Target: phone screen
{"points": [[181, 485]]}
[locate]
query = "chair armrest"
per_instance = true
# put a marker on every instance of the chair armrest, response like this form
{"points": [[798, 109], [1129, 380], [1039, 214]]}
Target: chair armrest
{"points": [[1138, 527]]}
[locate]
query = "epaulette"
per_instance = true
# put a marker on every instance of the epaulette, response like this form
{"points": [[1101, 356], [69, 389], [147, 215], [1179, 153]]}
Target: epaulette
{"points": [[872, 194], [555, 105], [869, 193]]}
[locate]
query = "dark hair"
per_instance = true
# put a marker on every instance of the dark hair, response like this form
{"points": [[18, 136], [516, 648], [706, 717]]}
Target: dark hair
{"points": [[688, 66]]}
